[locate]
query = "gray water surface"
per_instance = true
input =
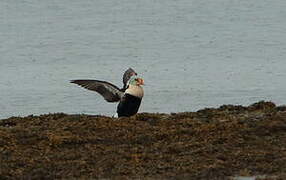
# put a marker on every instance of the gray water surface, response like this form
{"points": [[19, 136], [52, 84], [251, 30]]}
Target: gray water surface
{"points": [[192, 54]]}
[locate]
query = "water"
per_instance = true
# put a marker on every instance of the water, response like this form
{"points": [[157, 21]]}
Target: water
{"points": [[261, 177], [192, 54]]}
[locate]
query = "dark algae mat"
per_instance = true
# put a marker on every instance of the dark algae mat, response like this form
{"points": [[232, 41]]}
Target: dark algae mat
{"points": [[212, 143]]}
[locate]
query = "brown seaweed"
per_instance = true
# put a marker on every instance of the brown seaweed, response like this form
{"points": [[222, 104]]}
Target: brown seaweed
{"points": [[209, 144]]}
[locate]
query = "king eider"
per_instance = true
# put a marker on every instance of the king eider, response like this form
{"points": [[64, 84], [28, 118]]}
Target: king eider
{"points": [[129, 96]]}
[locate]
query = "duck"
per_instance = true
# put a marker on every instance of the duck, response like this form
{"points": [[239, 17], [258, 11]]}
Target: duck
{"points": [[129, 96]]}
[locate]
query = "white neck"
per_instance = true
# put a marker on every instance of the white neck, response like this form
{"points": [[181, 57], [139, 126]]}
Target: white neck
{"points": [[135, 91]]}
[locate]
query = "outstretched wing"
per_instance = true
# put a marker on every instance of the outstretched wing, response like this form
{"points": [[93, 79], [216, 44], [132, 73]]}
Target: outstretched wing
{"points": [[126, 76], [110, 92]]}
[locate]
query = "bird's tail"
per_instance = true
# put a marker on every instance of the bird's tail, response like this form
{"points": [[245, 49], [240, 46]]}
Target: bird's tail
{"points": [[115, 115]]}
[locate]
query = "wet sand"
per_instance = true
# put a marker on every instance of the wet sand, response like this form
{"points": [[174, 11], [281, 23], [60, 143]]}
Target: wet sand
{"points": [[208, 144]]}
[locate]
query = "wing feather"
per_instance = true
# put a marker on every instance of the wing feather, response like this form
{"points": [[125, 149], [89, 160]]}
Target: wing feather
{"points": [[127, 75], [110, 92]]}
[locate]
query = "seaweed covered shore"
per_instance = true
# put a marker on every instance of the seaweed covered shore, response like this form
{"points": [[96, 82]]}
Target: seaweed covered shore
{"points": [[208, 144]]}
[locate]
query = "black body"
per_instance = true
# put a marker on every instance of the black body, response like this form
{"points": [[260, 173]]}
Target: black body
{"points": [[128, 105]]}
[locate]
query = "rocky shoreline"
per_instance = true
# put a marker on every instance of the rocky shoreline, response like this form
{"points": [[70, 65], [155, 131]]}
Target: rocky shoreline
{"points": [[213, 143]]}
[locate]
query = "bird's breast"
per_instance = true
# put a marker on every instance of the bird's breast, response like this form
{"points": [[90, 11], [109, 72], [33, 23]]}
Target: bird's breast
{"points": [[135, 91]]}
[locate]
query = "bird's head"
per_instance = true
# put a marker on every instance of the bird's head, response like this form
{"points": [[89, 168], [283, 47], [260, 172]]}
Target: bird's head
{"points": [[136, 81]]}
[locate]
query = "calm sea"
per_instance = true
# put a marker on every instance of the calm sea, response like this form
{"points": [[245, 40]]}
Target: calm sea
{"points": [[192, 54]]}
